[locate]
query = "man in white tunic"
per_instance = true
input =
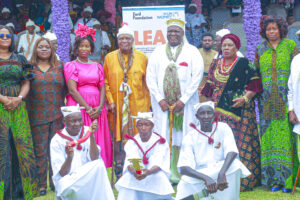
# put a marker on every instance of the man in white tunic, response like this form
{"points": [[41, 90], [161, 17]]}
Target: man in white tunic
{"points": [[27, 40], [79, 172], [208, 160], [173, 75], [87, 18], [294, 92], [152, 182]]}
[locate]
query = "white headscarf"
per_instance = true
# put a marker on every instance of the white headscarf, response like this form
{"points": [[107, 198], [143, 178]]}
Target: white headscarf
{"points": [[145, 116], [221, 33], [88, 9], [5, 9], [67, 110], [50, 36]]}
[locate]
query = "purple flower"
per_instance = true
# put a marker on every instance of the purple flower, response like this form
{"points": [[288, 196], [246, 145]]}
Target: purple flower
{"points": [[252, 15], [61, 27]]}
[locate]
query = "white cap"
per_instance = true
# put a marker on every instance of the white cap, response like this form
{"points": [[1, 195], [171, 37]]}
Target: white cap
{"points": [[30, 23], [125, 30], [5, 9], [50, 36], [88, 9], [222, 32], [298, 33], [67, 110], [19, 5], [96, 22], [10, 25], [193, 5], [206, 103], [145, 116]]}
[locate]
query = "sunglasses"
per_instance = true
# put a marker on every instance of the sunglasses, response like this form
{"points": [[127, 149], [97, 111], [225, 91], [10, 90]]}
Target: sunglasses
{"points": [[8, 36]]}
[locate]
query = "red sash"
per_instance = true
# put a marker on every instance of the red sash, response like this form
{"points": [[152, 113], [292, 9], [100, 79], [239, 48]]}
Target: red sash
{"points": [[59, 132]]}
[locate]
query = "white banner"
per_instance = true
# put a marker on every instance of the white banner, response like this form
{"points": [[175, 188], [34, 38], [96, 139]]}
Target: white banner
{"points": [[149, 24]]}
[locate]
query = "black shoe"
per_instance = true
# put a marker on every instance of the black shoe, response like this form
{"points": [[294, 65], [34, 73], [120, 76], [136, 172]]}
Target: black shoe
{"points": [[43, 192]]}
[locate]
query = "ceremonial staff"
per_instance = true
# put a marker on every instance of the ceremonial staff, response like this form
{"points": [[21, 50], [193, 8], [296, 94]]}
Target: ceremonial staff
{"points": [[171, 127]]}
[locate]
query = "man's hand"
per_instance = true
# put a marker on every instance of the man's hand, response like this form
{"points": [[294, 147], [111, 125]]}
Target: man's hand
{"points": [[211, 185], [69, 151], [178, 105], [164, 105], [94, 126], [222, 182], [293, 117], [112, 108], [239, 102]]}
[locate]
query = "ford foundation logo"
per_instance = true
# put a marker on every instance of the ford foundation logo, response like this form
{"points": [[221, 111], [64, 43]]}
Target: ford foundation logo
{"points": [[168, 15]]}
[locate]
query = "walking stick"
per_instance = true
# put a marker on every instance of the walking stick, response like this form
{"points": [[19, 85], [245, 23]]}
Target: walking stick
{"points": [[294, 188], [113, 132], [171, 127]]}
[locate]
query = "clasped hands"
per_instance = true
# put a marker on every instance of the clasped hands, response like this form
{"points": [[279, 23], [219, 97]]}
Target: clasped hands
{"points": [[95, 112], [177, 106], [10, 103], [212, 186], [144, 174]]}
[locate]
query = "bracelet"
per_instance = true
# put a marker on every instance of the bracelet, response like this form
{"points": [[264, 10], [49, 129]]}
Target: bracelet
{"points": [[247, 100], [89, 111]]}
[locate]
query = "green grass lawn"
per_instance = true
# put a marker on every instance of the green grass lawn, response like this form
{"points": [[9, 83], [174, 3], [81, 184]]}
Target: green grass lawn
{"points": [[258, 194]]}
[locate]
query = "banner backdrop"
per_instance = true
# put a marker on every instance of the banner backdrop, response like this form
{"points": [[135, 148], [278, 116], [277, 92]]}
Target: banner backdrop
{"points": [[149, 24]]}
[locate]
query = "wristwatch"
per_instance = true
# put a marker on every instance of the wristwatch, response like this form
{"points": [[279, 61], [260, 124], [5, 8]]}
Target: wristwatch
{"points": [[20, 97]]}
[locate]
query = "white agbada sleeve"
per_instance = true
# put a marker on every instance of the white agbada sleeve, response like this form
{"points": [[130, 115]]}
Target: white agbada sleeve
{"points": [[57, 158], [186, 156], [197, 74], [151, 75], [228, 141]]}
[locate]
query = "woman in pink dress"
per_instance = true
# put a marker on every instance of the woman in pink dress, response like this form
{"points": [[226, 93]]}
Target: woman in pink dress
{"points": [[85, 81]]}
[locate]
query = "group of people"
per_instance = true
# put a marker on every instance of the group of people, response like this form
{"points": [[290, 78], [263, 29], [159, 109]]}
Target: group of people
{"points": [[78, 118]]}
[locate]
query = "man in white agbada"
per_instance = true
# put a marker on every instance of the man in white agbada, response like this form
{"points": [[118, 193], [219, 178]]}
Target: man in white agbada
{"points": [[26, 41], [153, 150], [219, 34], [79, 172], [102, 45], [87, 18], [294, 92], [208, 160], [174, 73]]}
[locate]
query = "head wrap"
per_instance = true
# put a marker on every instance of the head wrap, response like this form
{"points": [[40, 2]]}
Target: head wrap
{"points": [[206, 103], [193, 5], [10, 25], [234, 38], [125, 30], [50, 36], [176, 22], [84, 31], [145, 116], [88, 9], [96, 22], [298, 32], [222, 32], [68, 110], [5, 9]]}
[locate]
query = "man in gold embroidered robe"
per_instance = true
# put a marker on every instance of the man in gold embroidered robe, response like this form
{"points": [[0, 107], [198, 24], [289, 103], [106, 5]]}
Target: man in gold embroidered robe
{"points": [[126, 90]]}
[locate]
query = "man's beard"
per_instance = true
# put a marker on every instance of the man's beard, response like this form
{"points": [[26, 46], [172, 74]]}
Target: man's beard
{"points": [[207, 48]]}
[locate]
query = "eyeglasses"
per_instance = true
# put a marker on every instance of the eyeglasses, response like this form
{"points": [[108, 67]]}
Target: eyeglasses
{"points": [[2, 35]]}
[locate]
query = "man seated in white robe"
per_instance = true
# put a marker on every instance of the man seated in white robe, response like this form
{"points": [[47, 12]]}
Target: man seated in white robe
{"points": [[153, 150], [208, 160], [79, 172]]}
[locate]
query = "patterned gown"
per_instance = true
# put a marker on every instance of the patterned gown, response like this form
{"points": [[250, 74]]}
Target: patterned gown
{"points": [[223, 89], [18, 179], [46, 96], [279, 158]]}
